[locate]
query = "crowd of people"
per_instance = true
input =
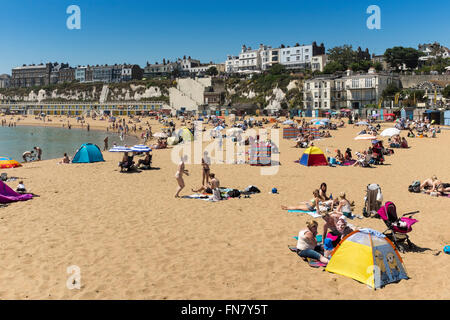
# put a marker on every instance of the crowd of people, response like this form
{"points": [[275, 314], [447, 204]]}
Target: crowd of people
{"points": [[334, 213]]}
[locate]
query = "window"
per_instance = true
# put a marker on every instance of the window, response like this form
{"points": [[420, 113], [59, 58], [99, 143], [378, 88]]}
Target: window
{"points": [[368, 83], [325, 104], [306, 57], [355, 84], [316, 84], [288, 59], [325, 94], [307, 86], [316, 94], [298, 58]]}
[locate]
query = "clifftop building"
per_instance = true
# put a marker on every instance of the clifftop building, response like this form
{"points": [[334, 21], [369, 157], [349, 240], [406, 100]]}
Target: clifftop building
{"points": [[264, 57], [5, 81], [33, 75], [352, 91]]}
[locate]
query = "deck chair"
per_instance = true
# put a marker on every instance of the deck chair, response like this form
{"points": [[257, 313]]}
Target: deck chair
{"points": [[4, 176]]}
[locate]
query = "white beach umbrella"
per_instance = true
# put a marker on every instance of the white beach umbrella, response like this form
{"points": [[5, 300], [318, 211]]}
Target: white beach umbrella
{"points": [[362, 123], [218, 128], [390, 132], [288, 122], [141, 148]]}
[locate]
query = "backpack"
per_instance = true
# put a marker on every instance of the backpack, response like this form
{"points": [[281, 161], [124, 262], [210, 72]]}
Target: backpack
{"points": [[252, 189], [234, 193], [414, 187]]}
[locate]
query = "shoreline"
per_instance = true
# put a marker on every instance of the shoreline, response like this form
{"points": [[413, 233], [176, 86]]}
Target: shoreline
{"points": [[96, 128]]}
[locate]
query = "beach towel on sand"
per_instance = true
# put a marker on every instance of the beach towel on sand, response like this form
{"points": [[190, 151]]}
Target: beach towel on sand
{"points": [[8, 195], [311, 213]]}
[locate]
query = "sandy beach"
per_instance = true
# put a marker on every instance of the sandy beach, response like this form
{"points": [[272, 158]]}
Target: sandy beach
{"points": [[132, 239]]}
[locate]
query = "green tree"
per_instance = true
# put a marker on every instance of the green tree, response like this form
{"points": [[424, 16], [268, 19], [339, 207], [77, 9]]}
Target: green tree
{"points": [[399, 56], [446, 92], [277, 69], [344, 55], [333, 67], [390, 91], [378, 66], [212, 71]]}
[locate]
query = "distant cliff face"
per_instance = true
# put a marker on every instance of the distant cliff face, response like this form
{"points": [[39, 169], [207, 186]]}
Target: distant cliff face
{"points": [[268, 93], [145, 91]]}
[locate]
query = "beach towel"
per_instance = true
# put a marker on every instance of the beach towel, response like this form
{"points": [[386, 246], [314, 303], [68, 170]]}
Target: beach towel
{"points": [[349, 163], [8, 195], [311, 213]]}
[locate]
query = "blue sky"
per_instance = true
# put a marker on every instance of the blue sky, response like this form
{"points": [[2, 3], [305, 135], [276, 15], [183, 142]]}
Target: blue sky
{"points": [[137, 31]]}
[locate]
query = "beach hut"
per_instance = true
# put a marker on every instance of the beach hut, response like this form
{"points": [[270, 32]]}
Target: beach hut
{"points": [[88, 153], [313, 156], [447, 118], [367, 256]]}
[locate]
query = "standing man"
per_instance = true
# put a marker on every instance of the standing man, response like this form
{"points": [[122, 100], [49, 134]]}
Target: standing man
{"points": [[106, 144], [39, 153]]}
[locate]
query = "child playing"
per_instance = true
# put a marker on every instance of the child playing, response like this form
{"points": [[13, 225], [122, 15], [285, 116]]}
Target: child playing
{"points": [[21, 187]]}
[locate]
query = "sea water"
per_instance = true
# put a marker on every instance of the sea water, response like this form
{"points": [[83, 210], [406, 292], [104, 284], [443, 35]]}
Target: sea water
{"points": [[54, 142]]}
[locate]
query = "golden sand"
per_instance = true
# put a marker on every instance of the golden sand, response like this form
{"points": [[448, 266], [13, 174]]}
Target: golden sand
{"points": [[133, 240]]}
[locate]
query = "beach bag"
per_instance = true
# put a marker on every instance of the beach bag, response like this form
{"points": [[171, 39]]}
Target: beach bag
{"points": [[234, 193], [414, 187], [252, 189], [379, 196]]}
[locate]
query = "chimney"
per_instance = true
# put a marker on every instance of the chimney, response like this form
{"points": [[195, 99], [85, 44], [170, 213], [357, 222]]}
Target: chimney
{"points": [[349, 72]]}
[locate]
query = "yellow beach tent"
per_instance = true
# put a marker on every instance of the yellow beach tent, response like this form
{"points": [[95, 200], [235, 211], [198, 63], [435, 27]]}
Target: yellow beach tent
{"points": [[185, 134], [368, 256]]}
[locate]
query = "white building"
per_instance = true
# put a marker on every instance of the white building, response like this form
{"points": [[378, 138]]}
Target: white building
{"points": [[298, 57], [269, 57], [5, 81], [263, 58], [232, 64], [351, 91], [319, 62], [250, 60]]}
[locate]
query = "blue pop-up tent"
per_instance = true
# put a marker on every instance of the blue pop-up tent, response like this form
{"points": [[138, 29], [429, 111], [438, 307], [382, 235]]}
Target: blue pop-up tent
{"points": [[88, 153]]}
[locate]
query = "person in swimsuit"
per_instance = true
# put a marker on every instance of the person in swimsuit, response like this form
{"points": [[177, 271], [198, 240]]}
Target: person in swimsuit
{"points": [[430, 184], [307, 244], [341, 231], [344, 206], [179, 176], [443, 188], [206, 171], [312, 205]]}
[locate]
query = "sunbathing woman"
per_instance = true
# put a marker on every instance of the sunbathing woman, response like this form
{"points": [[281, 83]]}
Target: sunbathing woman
{"points": [[312, 205], [339, 157], [307, 244], [344, 206], [430, 184], [443, 188]]}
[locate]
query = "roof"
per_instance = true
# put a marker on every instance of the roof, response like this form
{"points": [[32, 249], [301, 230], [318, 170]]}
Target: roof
{"points": [[31, 67]]}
